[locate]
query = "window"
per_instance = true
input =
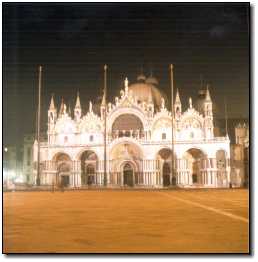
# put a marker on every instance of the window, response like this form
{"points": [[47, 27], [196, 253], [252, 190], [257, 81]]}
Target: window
{"points": [[192, 135], [91, 138], [65, 139], [163, 136]]}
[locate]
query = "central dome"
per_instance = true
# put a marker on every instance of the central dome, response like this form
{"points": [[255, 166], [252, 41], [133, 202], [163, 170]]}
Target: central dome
{"points": [[147, 91]]}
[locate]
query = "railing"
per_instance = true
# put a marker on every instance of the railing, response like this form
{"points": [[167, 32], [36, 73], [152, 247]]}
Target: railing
{"points": [[142, 137]]}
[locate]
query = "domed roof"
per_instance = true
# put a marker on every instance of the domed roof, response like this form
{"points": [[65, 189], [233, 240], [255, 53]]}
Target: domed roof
{"points": [[141, 78], [147, 92], [152, 80]]}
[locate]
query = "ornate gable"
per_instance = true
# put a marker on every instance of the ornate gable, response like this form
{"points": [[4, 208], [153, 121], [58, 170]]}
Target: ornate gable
{"points": [[90, 123]]}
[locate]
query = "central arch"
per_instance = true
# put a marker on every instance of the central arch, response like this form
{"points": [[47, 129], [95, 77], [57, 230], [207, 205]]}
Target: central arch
{"points": [[127, 125], [125, 158]]}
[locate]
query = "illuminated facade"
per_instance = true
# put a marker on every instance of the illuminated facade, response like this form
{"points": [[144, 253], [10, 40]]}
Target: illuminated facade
{"points": [[139, 143]]}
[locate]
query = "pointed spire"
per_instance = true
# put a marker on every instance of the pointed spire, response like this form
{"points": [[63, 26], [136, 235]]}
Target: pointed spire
{"points": [[207, 97], [178, 101], [78, 103], [52, 104], [61, 106]]}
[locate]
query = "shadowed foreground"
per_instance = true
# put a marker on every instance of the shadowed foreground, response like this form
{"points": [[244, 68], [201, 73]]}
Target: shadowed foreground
{"points": [[126, 221]]}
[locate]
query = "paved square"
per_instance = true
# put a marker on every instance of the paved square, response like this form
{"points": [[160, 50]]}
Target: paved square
{"points": [[126, 221]]}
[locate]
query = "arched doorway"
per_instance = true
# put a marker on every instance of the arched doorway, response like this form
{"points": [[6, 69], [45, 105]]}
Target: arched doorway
{"points": [[165, 156], [63, 164], [90, 171], [128, 175], [166, 174], [64, 174], [125, 159], [193, 159], [89, 161]]}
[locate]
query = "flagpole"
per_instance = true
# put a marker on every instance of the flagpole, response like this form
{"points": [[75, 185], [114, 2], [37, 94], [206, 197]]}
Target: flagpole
{"points": [[38, 126], [226, 116], [105, 125], [172, 119]]}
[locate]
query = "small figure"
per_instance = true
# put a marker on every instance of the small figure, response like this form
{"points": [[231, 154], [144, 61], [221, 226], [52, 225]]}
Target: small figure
{"points": [[116, 100], [162, 103], [190, 102], [109, 107], [126, 85], [90, 107]]}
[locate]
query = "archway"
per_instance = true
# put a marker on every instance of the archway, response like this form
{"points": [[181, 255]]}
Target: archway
{"points": [[122, 156], [88, 167], [165, 156], [127, 125], [194, 159], [63, 164], [128, 175]]}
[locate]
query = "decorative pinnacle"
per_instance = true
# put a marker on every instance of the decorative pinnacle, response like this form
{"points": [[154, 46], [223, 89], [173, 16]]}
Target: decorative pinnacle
{"points": [[178, 101], [52, 104], [105, 67], [208, 97], [171, 66], [78, 103]]}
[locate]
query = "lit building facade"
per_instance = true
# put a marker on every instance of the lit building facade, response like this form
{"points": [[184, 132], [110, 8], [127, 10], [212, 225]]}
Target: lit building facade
{"points": [[139, 143], [240, 157]]}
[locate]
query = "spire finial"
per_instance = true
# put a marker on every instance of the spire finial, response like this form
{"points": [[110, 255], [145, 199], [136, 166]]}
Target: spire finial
{"points": [[178, 101], [78, 103], [207, 97], [52, 104]]}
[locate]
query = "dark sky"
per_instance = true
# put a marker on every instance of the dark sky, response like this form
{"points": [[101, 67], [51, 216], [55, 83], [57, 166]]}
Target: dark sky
{"points": [[74, 41]]}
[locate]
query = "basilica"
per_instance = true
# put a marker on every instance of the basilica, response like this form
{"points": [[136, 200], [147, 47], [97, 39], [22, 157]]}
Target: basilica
{"points": [[147, 145]]}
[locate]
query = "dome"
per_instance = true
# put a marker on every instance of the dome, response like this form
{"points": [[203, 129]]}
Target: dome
{"points": [[152, 80], [141, 78], [146, 92]]}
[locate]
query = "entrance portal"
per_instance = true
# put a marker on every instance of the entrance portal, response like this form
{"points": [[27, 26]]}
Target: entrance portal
{"points": [[64, 181], [166, 174], [128, 175]]}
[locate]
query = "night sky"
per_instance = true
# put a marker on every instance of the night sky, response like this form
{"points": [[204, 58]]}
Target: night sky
{"points": [[74, 41]]}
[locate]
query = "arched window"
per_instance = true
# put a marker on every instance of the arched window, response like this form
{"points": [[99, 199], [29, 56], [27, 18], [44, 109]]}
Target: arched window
{"points": [[91, 138], [163, 136]]}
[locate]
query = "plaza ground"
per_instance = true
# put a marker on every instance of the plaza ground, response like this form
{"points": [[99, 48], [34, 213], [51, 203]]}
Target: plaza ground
{"points": [[126, 221]]}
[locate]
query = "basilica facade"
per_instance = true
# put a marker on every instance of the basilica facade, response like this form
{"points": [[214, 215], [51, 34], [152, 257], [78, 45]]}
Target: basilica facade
{"points": [[138, 143]]}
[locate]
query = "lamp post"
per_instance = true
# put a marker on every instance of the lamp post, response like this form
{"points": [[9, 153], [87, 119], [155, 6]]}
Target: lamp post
{"points": [[105, 125], [172, 120], [38, 127]]}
